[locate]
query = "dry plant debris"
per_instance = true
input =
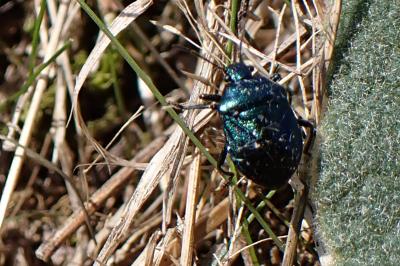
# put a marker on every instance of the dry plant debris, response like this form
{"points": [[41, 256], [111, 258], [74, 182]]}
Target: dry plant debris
{"points": [[79, 128]]}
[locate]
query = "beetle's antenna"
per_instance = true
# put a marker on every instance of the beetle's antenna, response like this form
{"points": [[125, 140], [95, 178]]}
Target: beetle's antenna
{"points": [[192, 52]]}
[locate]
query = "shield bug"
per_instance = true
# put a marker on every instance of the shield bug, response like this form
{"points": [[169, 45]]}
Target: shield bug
{"points": [[262, 134]]}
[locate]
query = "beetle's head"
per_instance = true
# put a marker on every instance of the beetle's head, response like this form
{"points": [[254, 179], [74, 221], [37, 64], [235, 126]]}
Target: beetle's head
{"points": [[237, 72]]}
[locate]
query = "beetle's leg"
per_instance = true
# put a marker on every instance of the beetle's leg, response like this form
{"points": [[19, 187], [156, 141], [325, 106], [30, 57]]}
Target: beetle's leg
{"points": [[221, 161], [214, 98], [191, 107], [210, 97], [306, 123]]}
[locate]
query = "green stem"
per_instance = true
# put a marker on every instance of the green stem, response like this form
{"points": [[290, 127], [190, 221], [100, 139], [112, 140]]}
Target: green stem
{"points": [[232, 24]]}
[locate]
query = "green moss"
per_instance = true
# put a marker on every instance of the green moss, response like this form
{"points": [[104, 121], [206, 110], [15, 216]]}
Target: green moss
{"points": [[358, 194]]}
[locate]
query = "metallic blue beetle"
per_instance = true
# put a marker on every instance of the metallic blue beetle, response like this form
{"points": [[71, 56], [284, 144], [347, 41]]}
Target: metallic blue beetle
{"points": [[262, 133]]}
